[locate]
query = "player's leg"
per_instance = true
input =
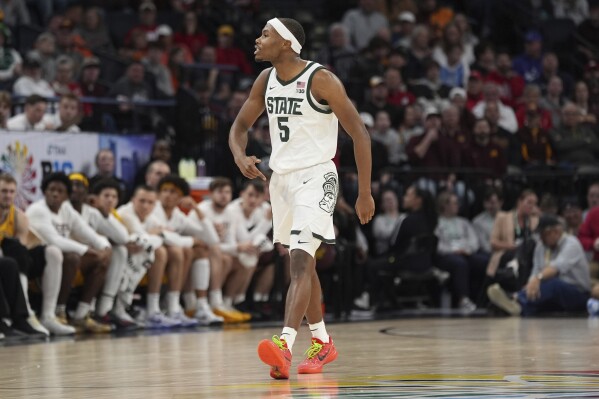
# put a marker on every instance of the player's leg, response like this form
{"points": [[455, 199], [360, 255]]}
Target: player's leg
{"points": [[114, 275], [220, 306], [51, 281], [200, 281], [179, 262], [94, 272], [155, 317], [70, 265]]}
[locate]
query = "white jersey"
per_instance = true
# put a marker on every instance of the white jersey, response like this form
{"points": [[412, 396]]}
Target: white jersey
{"points": [[108, 227], [137, 227], [226, 222], [59, 228], [303, 132], [248, 227]]}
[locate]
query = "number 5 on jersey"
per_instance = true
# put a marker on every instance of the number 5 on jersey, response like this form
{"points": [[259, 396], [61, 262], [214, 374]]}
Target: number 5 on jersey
{"points": [[283, 129]]}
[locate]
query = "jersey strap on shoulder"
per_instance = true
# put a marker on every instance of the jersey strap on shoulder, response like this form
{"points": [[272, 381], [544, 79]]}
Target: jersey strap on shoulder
{"points": [[322, 107]]}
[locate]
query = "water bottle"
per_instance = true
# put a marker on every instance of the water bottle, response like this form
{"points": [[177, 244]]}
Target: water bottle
{"points": [[593, 307], [201, 168]]}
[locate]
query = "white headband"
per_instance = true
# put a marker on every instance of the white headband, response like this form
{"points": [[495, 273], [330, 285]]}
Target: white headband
{"points": [[286, 34]]}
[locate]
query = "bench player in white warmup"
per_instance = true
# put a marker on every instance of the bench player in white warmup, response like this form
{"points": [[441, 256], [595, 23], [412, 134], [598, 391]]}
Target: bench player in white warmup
{"points": [[304, 102]]}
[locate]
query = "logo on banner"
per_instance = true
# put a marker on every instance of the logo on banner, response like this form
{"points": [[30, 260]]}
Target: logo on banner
{"points": [[18, 162]]}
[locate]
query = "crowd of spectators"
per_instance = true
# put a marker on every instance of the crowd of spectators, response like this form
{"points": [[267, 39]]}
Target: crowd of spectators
{"points": [[465, 103]]}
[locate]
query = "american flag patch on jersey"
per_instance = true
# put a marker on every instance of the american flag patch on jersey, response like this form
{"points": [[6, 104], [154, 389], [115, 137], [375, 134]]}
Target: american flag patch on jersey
{"points": [[300, 87]]}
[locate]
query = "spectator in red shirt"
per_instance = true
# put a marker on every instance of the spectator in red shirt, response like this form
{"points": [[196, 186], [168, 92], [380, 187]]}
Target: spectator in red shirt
{"points": [[190, 35], [511, 85], [482, 153], [589, 233], [433, 149], [452, 126], [227, 53], [398, 92], [64, 82], [147, 20]]}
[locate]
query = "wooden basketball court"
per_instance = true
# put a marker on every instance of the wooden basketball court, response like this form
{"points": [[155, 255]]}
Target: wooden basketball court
{"points": [[409, 358]]}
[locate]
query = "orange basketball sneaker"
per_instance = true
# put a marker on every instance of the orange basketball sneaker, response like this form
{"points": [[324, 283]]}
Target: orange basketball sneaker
{"points": [[275, 353], [317, 356]]}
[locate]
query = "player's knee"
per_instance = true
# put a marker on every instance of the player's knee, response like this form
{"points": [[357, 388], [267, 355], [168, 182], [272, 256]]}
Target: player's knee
{"points": [[175, 254], [53, 255], [71, 260]]}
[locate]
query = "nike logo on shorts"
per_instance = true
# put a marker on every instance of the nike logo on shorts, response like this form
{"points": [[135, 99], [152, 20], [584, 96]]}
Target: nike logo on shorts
{"points": [[303, 242], [270, 88], [306, 181]]}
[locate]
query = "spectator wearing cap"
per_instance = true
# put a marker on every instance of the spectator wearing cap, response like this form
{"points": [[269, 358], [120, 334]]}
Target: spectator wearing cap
{"points": [[363, 23], [571, 213], [554, 100], [10, 59], [550, 65], [532, 97], [398, 92], [430, 89], [459, 98], [588, 110], [32, 117], [162, 75], [64, 81], [337, 55], [588, 32], [69, 43], [31, 81], [407, 22], [511, 84], [507, 117], [191, 34], [575, 144], [147, 21], [45, 51], [164, 36], [419, 53], [483, 154], [535, 145], [227, 53], [377, 100], [91, 87], [560, 277], [94, 32], [433, 149], [528, 65]]}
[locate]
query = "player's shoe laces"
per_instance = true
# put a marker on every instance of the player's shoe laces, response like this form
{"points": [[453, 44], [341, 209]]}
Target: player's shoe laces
{"points": [[317, 356], [276, 354]]}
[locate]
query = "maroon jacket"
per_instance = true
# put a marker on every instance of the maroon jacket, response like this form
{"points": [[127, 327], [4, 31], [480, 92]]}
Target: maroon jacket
{"points": [[589, 231]]}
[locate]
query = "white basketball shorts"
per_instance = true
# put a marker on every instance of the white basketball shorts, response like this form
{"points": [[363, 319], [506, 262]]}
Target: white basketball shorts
{"points": [[303, 202]]}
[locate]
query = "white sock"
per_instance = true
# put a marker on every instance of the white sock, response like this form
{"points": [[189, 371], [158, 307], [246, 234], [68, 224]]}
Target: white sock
{"points": [[104, 305], [289, 335], [153, 305], [25, 286], [258, 297], [51, 281], [190, 300], [202, 303], [82, 310], [239, 298], [114, 275], [172, 302], [216, 298], [319, 331], [200, 274], [228, 301]]}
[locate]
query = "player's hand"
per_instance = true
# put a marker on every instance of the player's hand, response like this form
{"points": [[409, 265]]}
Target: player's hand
{"points": [[533, 289], [248, 168], [365, 208], [187, 203]]}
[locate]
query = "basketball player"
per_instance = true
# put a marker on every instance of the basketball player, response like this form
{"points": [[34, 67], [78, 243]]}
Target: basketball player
{"points": [[303, 101]]}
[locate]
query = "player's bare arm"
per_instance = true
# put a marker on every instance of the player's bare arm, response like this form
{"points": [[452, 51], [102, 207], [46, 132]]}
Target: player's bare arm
{"points": [[22, 231], [326, 86], [238, 137]]}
